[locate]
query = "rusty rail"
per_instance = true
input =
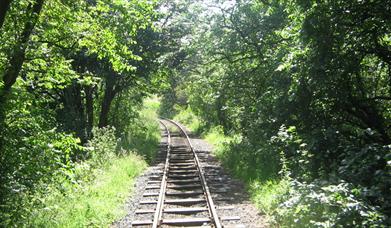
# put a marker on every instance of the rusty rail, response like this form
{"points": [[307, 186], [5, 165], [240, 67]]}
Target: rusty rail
{"points": [[211, 205], [169, 177], [159, 208]]}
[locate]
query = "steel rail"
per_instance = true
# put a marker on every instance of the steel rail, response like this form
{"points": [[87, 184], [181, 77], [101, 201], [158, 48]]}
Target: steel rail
{"points": [[211, 206], [159, 208]]}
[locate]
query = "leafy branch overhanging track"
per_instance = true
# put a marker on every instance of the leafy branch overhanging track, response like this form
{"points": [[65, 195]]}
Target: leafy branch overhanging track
{"points": [[182, 183]]}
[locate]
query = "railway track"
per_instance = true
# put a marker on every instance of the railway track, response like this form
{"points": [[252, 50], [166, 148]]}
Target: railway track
{"points": [[178, 194]]}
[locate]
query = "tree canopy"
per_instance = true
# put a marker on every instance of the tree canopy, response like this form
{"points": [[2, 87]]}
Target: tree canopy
{"points": [[304, 86], [308, 79]]}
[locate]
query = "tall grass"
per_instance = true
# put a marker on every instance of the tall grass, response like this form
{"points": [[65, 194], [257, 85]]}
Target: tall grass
{"points": [[286, 201], [93, 192], [265, 189], [143, 134], [188, 118], [93, 204]]}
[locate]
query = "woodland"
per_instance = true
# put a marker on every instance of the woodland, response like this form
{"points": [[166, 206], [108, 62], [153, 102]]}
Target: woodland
{"points": [[295, 96]]}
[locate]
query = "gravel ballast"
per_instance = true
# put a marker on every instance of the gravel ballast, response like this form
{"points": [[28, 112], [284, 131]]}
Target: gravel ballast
{"points": [[225, 190]]}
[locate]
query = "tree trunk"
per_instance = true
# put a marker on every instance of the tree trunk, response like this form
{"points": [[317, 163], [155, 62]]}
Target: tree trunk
{"points": [[4, 7], [104, 113], [221, 113], [89, 110], [72, 116], [108, 97], [16, 61], [371, 117]]}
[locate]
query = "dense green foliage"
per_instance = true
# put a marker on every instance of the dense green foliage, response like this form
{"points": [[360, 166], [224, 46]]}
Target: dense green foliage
{"points": [[93, 204], [303, 88], [143, 133], [73, 77], [294, 93]]}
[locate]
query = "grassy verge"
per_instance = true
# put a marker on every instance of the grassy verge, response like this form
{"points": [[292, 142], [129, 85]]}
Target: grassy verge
{"points": [[143, 135], [96, 204], [92, 193], [190, 120], [264, 190], [287, 202]]}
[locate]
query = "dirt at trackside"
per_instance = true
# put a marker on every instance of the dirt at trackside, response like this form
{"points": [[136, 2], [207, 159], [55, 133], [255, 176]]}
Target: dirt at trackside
{"points": [[225, 190]]}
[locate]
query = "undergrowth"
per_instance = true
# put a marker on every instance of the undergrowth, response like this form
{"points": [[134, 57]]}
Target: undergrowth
{"points": [[90, 189], [188, 118], [143, 134], [285, 200], [91, 204]]}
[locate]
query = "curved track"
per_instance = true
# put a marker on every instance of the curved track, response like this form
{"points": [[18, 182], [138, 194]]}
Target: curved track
{"points": [[179, 195]]}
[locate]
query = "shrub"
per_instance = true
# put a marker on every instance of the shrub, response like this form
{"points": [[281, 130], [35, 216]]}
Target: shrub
{"points": [[95, 203], [102, 146], [36, 162], [323, 204], [268, 195], [188, 118]]}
